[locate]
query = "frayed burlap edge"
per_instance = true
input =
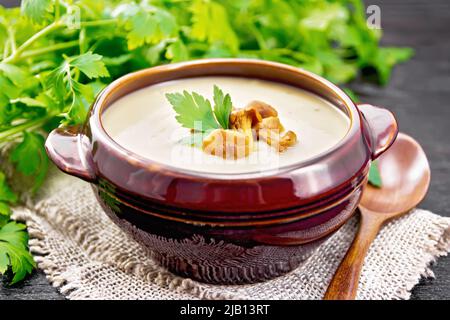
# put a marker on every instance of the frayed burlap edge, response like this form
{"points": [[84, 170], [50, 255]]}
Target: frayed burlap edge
{"points": [[438, 245], [68, 284]]}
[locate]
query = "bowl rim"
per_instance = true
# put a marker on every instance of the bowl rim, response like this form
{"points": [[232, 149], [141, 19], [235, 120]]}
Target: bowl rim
{"points": [[101, 103]]}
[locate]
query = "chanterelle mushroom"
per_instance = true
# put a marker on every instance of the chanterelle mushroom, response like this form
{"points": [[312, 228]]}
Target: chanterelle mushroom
{"points": [[257, 120], [287, 140], [227, 144], [272, 123], [264, 109], [244, 120], [270, 129], [274, 139]]}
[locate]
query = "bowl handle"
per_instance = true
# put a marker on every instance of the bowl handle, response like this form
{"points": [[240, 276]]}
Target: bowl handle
{"points": [[382, 128], [68, 148]]}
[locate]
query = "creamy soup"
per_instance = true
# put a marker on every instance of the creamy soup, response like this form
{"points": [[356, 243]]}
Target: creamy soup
{"points": [[144, 123]]}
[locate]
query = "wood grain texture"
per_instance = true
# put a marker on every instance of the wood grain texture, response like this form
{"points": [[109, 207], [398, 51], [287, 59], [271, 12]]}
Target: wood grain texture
{"points": [[35, 287], [419, 94], [344, 285]]}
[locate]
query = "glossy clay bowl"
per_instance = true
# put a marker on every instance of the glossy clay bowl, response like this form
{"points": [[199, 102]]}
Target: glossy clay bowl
{"points": [[226, 228]]}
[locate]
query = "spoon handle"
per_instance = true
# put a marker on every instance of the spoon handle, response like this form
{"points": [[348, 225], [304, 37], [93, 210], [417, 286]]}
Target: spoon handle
{"points": [[344, 284]]}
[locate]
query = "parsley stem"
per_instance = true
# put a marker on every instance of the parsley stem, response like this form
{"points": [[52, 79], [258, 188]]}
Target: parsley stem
{"points": [[56, 47], [6, 50], [299, 56], [258, 36], [57, 10], [24, 126], [199, 46], [82, 40], [97, 23], [277, 50], [48, 29], [12, 40], [43, 32]]}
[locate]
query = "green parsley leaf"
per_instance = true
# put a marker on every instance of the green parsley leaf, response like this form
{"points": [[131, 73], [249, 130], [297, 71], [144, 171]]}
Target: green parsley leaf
{"points": [[6, 194], [142, 28], [117, 61], [9, 89], [222, 107], [82, 94], [17, 75], [90, 64], [62, 82], [193, 111], [210, 22], [36, 10], [177, 51], [55, 81], [322, 16], [386, 58], [145, 24], [30, 157], [14, 252], [374, 175], [30, 102], [5, 212], [3, 35]]}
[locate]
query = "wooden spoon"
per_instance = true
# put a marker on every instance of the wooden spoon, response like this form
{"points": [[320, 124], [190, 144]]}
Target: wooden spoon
{"points": [[405, 174]]}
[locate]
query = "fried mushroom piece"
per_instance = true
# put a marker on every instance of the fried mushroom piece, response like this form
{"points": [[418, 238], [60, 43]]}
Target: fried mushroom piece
{"points": [[258, 120], [228, 144], [287, 140], [270, 123], [270, 129], [274, 139], [245, 120], [264, 109]]}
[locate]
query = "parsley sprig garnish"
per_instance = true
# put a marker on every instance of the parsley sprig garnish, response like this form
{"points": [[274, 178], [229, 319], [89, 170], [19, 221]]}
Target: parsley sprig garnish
{"points": [[194, 111], [222, 107]]}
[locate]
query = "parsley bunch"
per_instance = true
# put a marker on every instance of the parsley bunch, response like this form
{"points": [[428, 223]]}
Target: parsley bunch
{"points": [[56, 55]]}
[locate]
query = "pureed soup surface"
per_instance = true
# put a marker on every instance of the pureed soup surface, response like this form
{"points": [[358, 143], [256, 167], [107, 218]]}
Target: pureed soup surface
{"points": [[144, 122]]}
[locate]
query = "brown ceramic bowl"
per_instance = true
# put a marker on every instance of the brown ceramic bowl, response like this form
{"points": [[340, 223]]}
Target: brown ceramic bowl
{"points": [[226, 228]]}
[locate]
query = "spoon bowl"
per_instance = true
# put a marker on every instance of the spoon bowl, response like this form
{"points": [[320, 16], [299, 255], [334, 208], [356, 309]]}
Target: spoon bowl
{"points": [[405, 176]]}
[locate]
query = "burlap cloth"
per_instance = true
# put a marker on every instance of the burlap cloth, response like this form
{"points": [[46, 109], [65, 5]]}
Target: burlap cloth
{"points": [[87, 257]]}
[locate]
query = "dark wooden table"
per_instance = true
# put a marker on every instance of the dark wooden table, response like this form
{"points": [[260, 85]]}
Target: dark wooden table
{"points": [[419, 94]]}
